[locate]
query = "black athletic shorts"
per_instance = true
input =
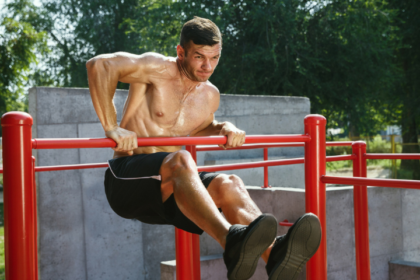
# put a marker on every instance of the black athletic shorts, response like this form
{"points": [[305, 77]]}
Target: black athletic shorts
{"points": [[132, 187]]}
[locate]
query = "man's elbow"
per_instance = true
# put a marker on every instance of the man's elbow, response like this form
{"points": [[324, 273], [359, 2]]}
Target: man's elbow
{"points": [[98, 64], [93, 62]]}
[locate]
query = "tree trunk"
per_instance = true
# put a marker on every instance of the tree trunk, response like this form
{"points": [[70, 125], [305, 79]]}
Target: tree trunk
{"points": [[409, 135]]}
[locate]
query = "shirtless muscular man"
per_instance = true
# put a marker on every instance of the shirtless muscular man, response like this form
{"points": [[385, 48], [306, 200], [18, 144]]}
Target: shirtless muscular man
{"points": [[171, 96]]}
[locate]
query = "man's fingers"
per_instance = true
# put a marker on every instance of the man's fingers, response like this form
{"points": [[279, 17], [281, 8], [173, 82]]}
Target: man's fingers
{"points": [[242, 141], [236, 140], [230, 138], [135, 144]]}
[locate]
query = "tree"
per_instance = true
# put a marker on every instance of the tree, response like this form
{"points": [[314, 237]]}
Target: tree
{"points": [[406, 94], [81, 30], [337, 53], [18, 42]]}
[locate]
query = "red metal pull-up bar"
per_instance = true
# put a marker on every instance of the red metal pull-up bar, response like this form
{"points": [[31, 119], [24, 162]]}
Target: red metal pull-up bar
{"points": [[20, 203]]}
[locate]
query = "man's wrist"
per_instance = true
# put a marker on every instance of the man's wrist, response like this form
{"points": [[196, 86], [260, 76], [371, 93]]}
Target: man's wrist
{"points": [[110, 127]]}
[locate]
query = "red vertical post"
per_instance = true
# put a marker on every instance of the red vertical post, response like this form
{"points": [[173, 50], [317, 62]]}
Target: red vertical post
{"points": [[266, 185], [187, 247], [19, 223], [315, 191], [184, 264], [35, 214], [195, 237], [361, 213]]}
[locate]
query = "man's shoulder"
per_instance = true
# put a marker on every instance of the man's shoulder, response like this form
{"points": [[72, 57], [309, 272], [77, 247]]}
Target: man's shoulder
{"points": [[213, 95], [212, 89], [160, 64]]}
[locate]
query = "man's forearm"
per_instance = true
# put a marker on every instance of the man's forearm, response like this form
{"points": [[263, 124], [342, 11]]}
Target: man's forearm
{"points": [[213, 129], [102, 85]]}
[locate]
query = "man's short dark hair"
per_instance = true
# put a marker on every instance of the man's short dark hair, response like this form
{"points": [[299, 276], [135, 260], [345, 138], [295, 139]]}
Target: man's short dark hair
{"points": [[201, 31]]}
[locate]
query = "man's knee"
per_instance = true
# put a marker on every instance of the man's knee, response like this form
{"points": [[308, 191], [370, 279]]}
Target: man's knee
{"points": [[178, 161], [229, 183]]}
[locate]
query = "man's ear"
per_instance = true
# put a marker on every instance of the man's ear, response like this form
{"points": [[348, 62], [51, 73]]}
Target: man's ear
{"points": [[180, 51]]}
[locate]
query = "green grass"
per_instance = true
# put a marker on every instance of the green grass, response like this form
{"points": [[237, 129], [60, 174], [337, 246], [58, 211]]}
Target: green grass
{"points": [[374, 145]]}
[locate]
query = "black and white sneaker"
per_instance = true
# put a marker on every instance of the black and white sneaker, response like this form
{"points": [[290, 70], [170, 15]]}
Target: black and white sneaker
{"points": [[246, 244], [291, 251]]}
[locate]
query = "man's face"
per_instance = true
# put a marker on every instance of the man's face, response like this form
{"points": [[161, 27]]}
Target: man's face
{"points": [[200, 60]]}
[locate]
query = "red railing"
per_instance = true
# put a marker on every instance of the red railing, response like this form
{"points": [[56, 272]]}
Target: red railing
{"points": [[20, 200]]}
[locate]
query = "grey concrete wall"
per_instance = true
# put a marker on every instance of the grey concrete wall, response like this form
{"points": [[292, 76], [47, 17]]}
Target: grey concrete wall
{"points": [[262, 115], [81, 238], [79, 235]]}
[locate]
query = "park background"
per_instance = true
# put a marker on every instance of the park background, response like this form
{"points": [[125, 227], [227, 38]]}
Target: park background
{"points": [[358, 61]]}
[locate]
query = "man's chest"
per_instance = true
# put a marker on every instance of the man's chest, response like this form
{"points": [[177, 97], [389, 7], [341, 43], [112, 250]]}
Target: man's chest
{"points": [[179, 111]]}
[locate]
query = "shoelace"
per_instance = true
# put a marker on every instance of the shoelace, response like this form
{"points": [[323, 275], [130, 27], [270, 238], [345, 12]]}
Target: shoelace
{"points": [[279, 238], [239, 230]]}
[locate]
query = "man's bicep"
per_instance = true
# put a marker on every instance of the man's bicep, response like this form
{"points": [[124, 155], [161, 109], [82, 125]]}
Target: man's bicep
{"points": [[126, 67], [139, 68], [142, 68]]}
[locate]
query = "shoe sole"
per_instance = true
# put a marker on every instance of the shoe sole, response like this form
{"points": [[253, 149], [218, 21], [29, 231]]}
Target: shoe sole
{"points": [[256, 242], [302, 245]]}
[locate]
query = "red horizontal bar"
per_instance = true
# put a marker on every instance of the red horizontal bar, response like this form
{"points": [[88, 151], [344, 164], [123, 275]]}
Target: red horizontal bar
{"points": [[77, 143], [67, 167], [261, 146], [70, 167], [339, 158], [256, 164], [339, 143], [286, 223], [389, 183], [248, 147], [392, 156], [202, 168]]}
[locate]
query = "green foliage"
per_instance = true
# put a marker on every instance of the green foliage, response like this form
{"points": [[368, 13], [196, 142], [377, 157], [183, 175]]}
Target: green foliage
{"points": [[80, 30], [375, 144], [337, 53], [18, 42], [357, 61], [406, 92]]}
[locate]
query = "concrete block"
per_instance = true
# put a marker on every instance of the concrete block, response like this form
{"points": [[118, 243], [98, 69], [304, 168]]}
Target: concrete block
{"points": [[287, 176], [61, 156], [158, 246], [403, 270], [411, 224], [385, 223], [411, 255], [108, 237], [348, 273], [340, 230], [278, 124], [379, 268], [93, 130], [68, 105], [240, 105], [209, 246], [213, 268], [209, 158], [61, 245]]}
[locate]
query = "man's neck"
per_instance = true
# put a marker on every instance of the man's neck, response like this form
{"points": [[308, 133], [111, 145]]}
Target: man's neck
{"points": [[186, 78]]}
